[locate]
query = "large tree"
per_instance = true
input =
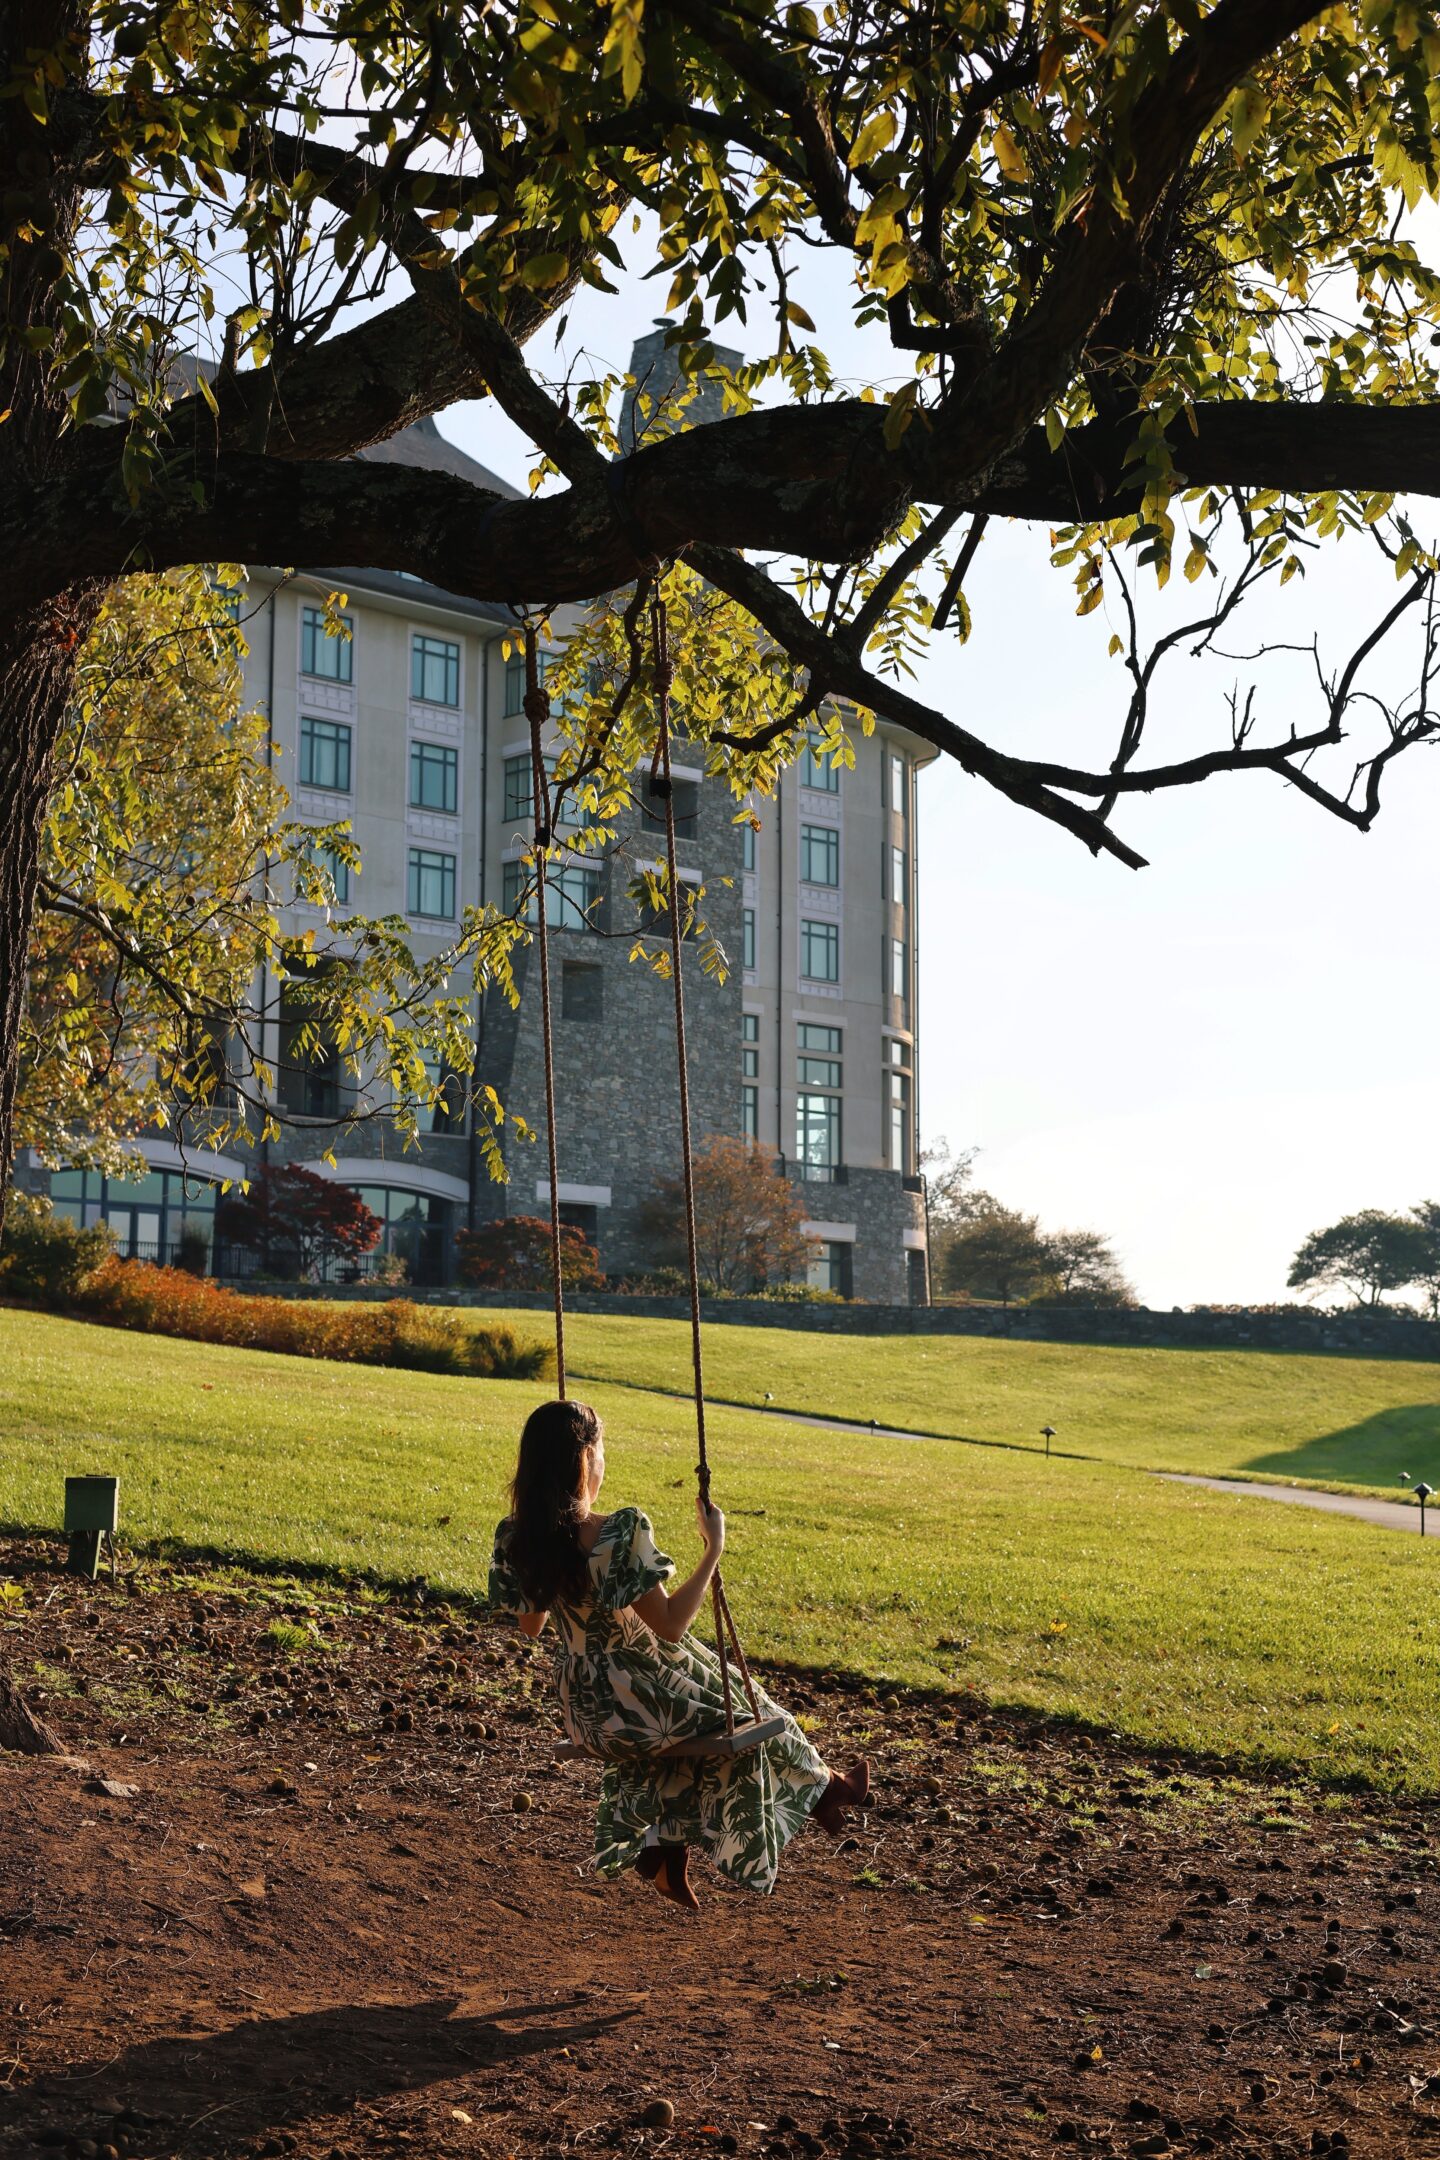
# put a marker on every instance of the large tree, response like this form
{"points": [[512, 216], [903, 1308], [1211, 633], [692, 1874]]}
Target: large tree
{"points": [[1139, 272], [1366, 1254]]}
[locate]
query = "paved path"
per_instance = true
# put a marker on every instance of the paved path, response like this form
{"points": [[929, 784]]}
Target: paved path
{"points": [[1388, 1514], [1385, 1514]]}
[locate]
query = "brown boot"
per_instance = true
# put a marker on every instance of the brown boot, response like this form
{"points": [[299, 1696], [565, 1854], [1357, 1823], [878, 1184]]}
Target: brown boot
{"points": [[850, 1791], [666, 1866]]}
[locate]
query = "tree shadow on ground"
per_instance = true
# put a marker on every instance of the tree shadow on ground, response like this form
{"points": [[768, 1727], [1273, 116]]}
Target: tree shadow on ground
{"points": [[218, 2092], [1374, 1452]]}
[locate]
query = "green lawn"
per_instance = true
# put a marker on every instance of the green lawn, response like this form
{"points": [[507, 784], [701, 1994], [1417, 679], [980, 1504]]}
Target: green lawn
{"points": [[1177, 1616], [1335, 1421]]}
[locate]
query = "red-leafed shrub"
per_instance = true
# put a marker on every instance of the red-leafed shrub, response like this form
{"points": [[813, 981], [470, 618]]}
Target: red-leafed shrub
{"points": [[419, 1338], [514, 1254], [296, 1220]]}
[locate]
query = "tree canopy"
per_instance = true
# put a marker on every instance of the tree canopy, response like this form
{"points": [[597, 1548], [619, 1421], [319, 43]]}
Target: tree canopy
{"points": [[1147, 274], [1366, 1254]]}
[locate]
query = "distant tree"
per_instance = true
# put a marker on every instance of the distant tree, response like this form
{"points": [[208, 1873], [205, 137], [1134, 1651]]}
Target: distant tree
{"points": [[293, 1218], [514, 1254], [1083, 1269], [747, 1217], [995, 1252], [1427, 1276], [1366, 1254]]}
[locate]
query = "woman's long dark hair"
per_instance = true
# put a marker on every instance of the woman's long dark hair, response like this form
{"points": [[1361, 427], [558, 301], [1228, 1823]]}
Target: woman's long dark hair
{"points": [[543, 1545]]}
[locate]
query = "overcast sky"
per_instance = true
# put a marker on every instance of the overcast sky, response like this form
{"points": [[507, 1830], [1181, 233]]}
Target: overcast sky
{"points": [[1206, 1058]]}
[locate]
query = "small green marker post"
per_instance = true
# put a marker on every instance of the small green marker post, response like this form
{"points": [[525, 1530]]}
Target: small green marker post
{"points": [[92, 1516]]}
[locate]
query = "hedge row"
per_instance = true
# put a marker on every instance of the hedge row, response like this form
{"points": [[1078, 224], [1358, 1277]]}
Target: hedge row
{"points": [[418, 1338]]}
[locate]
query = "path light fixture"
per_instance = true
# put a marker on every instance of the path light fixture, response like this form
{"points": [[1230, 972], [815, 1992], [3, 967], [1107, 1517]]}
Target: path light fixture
{"points": [[1049, 1432], [1422, 1494], [1404, 1477], [92, 1516]]}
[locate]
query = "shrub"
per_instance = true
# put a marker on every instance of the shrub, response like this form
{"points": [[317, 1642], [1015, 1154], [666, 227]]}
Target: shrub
{"points": [[45, 1256], [514, 1254], [417, 1338]]}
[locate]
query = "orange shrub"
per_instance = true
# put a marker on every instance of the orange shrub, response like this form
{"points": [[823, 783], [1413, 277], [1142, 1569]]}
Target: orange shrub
{"points": [[419, 1338]]}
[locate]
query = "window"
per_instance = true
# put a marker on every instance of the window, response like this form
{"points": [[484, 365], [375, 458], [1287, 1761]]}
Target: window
{"points": [[897, 876], [817, 771], [687, 807], [747, 938], [830, 1268], [329, 656], [431, 884], [817, 1113], [310, 1076], [435, 670], [820, 854], [750, 1071], [519, 786], [168, 1215], [434, 777], [325, 754], [750, 1053], [819, 1062], [416, 1228], [749, 846], [582, 991], [749, 1112], [897, 1088], [895, 773], [573, 894], [447, 1113], [337, 870], [817, 1137], [820, 951], [898, 982]]}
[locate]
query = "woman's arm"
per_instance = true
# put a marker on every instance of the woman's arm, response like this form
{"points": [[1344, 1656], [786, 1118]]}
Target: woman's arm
{"points": [[669, 1614], [531, 1623]]}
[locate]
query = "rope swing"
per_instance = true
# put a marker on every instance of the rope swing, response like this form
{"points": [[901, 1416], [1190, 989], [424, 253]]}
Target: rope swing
{"points": [[735, 1739]]}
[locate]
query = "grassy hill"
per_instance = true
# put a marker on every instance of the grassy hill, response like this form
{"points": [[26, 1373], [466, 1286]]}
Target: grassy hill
{"points": [[1176, 1616], [1335, 1421]]}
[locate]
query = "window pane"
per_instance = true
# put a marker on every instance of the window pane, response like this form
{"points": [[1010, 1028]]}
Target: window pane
{"points": [[519, 792], [750, 1113], [817, 1136], [325, 754], [335, 869], [750, 1061], [750, 846], [819, 1072], [897, 875], [812, 1037], [435, 670], [820, 951], [331, 658], [432, 884], [572, 895], [515, 684], [897, 967], [898, 793], [750, 1026], [747, 937], [820, 855], [816, 771], [434, 777]]}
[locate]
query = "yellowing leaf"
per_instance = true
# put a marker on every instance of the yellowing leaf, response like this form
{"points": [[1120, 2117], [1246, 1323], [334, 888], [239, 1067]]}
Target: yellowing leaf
{"points": [[1009, 156], [877, 134]]}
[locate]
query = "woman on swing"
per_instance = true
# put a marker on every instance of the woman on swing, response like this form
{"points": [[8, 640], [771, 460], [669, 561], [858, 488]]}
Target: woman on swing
{"points": [[633, 1681]]}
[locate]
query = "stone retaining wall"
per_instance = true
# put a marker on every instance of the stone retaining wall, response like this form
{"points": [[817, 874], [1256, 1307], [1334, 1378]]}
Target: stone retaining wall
{"points": [[1369, 1334]]}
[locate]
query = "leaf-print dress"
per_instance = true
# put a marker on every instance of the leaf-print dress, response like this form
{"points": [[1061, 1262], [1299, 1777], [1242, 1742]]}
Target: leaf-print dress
{"points": [[624, 1694]]}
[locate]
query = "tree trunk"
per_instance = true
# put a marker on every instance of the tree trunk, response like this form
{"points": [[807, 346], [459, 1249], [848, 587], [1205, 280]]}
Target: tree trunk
{"points": [[37, 672], [20, 1728]]}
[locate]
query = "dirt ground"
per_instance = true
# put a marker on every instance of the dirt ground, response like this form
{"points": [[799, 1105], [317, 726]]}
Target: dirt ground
{"points": [[336, 1904]]}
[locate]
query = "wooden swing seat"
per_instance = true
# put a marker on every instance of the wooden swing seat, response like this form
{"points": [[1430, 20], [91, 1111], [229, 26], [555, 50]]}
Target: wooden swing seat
{"points": [[723, 1744]]}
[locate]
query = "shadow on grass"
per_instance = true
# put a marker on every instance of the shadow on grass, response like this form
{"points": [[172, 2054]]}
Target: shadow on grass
{"points": [[1374, 1452], [219, 2092]]}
